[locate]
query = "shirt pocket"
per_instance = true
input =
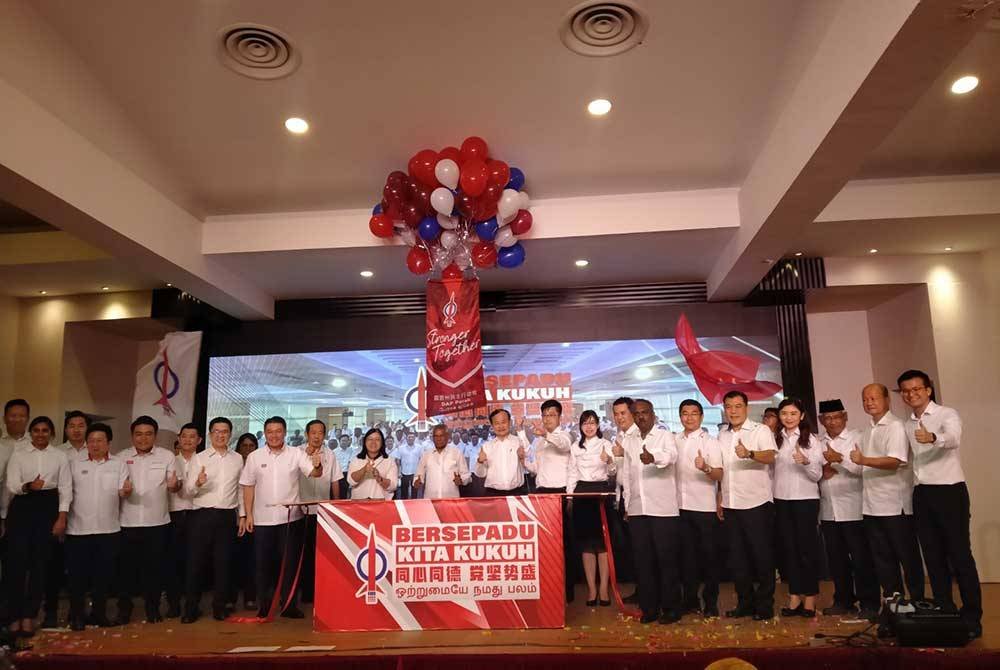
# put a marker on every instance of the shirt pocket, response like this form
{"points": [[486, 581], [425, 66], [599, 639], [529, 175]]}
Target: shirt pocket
{"points": [[107, 481], [156, 475]]}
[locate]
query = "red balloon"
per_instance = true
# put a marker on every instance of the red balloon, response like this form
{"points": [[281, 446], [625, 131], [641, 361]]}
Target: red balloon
{"points": [[473, 179], [419, 261], [421, 196], [521, 223], [452, 153], [492, 192], [396, 177], [484, 255], [421, 167], [395, 193], [474, 147], [412, 214], [484, 209], [499, 173], [381, 225], [452, 272], [466, 205], [392, 209]]}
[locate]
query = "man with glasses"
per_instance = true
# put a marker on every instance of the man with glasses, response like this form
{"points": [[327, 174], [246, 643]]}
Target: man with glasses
{"points": [[941, 498]]}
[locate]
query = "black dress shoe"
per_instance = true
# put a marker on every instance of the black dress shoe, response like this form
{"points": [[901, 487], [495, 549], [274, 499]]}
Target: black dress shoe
{"points": [[710, 612], [293, 613], [791, 611], [647, 618], [669, 617], [219, 615], [975, 630], [190, 617], [739, 613], [763, 616], [76, 624], [173, 611], [807, 614], [604, 603], [592, 603], [262, 612], [50, 621]]}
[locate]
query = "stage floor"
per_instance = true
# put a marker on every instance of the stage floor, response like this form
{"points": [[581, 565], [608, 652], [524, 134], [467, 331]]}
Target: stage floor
{"points": [[588, 632]]}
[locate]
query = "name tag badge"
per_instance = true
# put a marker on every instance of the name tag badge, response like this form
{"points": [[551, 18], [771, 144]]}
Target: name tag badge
{"points": [[85, 472], [130, 462], [263, 465]]}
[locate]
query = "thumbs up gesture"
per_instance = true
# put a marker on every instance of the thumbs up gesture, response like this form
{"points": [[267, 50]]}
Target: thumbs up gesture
{"points": [[36, 484], [699, 461], [482, 456], [605, 456], [317, 459], [520, 453], [856, 456], [742, 451], [126, 489], [832, 455], [645, 456], [418, 483], [799, 457], [202, 478], [618, 450], [457, 478], [923, 435], [828, 471]]}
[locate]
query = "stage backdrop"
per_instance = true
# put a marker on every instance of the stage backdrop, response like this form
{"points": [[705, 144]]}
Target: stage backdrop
{"points": [[440, 564]]}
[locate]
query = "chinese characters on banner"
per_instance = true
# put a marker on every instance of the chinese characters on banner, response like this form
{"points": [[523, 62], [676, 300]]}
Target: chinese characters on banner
{"points": [[454, 347]]}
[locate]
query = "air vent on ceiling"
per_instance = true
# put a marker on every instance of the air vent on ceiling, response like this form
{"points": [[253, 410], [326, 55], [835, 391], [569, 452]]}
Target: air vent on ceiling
{"points": [[596, 28], [257, 51]]}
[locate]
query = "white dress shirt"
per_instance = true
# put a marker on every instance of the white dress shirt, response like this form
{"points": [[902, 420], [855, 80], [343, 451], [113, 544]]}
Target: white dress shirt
{"points": [[148, 505], [938, 462], [502, 469], [437, 471], [222, 480], [840, 496], [471, 452], [369, 488], [746, 483], [50, 464], [74, 454], [318, 488], [16, 443], [181, 500], [344, 457], [620, 460], [95, 508], [585, 464], [6, 450], [551, 463], [793, 481], [887, 492], [409, 457], [275, 478], [695, 489], [650, 490]]}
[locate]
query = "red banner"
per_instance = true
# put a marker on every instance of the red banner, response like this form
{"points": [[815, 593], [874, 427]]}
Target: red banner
{"points": [[460, 563], [454, 347]]}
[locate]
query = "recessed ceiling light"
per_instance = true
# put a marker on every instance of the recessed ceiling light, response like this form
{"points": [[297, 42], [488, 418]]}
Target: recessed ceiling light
{"points": [[947, 248], [599, 107], [338, 383], [873, 251], [643, 373], [43, 292], [170, 285], [105, 288], [487, 347], [582, 263], [565, 344], [296, 125], [963, 85], [367, 274], [798, 253]]}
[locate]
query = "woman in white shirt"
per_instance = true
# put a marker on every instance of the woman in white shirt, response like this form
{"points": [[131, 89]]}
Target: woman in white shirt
{"points": [[590, 467], [798, 468], [372, 474]]}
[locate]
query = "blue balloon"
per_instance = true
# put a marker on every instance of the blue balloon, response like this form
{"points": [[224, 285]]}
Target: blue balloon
{"points": [[377, 209], [510, 257], [429, 228], [487, 230], [516, 179]]}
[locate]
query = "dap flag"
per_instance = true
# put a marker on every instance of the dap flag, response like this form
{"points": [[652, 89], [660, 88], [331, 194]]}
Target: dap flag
{"points": [[164, 387], [454, 347]]}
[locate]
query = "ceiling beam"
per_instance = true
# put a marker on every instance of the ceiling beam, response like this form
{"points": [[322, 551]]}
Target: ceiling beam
{"points": [[922, 197]]}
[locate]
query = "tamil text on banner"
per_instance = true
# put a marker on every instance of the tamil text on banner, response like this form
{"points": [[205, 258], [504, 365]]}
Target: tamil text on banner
{"points": [[456, 563], [164, 387], [454, 346]]}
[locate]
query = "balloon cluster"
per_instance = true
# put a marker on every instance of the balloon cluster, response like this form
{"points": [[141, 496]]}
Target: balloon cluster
{"points": [[456, 209]]}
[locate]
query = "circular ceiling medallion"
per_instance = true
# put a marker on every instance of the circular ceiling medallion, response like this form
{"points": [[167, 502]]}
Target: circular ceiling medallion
{"points": [[596, 28], [257, 51]]}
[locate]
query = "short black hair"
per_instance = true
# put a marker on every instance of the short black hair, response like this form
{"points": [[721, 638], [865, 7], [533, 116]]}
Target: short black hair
{"points": [[915, 374], [640, 400], [736, 394], [498, 411], [690, 402], [552, 403], [313, 423], [363, 454], [75, 414], [772, 410], [624, 400], [221, 419], [190, 426], [17, 402], [276, 419], [247, 436], [42, 419], [100, 428], [145, 421]]}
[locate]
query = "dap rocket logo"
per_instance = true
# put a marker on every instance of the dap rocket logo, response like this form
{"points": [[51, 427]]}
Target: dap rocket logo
{"points": [[370, 566], [449, 312], [415, 400]]}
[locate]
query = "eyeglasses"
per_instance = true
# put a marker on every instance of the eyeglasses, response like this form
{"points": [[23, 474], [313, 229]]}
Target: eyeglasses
{"points": [[220, 431], [911, 391]]}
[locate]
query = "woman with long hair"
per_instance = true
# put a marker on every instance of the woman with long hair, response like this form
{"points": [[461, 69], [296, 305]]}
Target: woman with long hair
{"points": [[591, 465], [798, 468], [372, 474]]}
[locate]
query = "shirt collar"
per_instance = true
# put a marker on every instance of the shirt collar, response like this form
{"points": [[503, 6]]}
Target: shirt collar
{"points": [[883, 421], [931, 406]]}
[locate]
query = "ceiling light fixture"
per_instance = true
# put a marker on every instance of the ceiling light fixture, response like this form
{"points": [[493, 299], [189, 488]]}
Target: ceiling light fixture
{"points": [[582, 263], [643, 373], [43, 292], [947, 248], [873, 251], [599, 107], [798, 253], [565, 344], [296, 125], [105, 288], [170, 285], [963, 85], [487, 347], [367, 274], [338, 383]]}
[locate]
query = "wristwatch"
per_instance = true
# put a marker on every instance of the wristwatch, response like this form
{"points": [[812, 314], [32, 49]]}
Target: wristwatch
{"points": [[707, 469], [751, 453]]}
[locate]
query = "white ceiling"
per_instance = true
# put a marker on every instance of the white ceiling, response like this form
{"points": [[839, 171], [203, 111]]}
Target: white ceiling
{"points": [[72, 277]]}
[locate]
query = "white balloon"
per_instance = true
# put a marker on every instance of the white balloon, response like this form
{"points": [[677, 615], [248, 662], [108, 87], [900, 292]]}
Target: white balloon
{"points": [[510, 202], [505, 237], [449, 238], [446, 172], [504, 220], [442, 200], [525, 200], [408, 236], [447, 222]]}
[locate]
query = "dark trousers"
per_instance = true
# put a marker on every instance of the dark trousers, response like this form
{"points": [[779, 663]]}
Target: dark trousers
{"points": [[140, 567], [521, 490], [345, 490], [55, 577], [244, 571], [175, 573], [654, 546], [307, 581], [796, 522], [851, 565], [893, 540], [570, 557], [213, 532], [91, 560], [942, 517], [405, 487], [269, 545], [29, 533], [699, 559], [751, 556]]}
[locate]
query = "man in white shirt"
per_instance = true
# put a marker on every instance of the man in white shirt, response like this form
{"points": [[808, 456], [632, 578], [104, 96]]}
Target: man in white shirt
{"points": [[75, 435], [699, 468], [650, 495], [847, 550], [442, 470], [93, 529], [501, 460], [181, 506], [887, 503], [621, 410], [344, 452], [456, 441], [748, 452], [270, 478], [941, 498], [16, 413], [324, 487], [145, 520], [408, 456]]}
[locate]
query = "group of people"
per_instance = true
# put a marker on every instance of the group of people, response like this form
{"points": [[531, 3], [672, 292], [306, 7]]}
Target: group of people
{"points": [[215, 517]]}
